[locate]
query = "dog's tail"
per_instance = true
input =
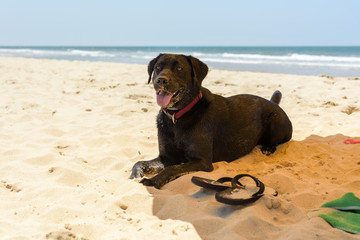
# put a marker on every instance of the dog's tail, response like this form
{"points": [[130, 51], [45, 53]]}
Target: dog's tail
{"points": [[276, 97]]}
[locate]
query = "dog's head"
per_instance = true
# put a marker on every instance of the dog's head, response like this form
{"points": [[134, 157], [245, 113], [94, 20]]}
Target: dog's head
{"points": [[177, 79]]}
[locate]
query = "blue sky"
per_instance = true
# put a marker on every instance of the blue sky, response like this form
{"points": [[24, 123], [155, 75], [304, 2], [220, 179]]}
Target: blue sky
{"points": [[180, 23]]}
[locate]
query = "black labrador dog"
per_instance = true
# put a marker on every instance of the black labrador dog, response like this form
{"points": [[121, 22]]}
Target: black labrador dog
{"points": [[197, 127]]}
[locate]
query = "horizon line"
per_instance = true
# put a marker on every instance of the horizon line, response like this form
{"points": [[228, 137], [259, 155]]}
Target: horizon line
{"points": [[178, 46]]}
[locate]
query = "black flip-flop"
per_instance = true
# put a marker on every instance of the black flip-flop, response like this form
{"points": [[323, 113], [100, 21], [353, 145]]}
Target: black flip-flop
{"points": [[216, 185], [235, 194]]}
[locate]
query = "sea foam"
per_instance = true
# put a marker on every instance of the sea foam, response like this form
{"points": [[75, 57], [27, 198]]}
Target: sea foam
{"points": [[337, 61]]}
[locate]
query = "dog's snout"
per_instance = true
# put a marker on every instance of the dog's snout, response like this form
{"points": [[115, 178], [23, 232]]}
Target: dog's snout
{"points": [[162, 81]]}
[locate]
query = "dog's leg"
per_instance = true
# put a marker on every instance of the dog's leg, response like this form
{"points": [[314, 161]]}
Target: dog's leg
{"points": [[268, 149], [279, 130], [172, 172]]}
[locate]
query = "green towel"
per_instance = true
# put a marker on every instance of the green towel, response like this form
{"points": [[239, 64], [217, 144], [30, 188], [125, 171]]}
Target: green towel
{"points": [[348, 202], [347, 221], [348, 218]]}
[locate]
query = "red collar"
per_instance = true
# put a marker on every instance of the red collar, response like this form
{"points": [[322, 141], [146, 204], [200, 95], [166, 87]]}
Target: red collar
{"points": [[175, 115]]}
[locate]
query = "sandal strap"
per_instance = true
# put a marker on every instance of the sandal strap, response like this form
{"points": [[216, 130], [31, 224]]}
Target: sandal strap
{"points": [[216, 185], [237, 184], [224, 179]]}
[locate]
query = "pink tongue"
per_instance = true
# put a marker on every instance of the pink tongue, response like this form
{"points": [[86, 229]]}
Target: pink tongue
{"points": [[163, 98]]}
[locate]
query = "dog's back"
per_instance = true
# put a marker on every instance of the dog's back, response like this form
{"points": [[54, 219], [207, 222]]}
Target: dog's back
{"points": [[244, 121]]}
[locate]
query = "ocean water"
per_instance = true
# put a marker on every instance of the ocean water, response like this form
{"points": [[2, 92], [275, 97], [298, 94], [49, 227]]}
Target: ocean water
{"points": [[334, 61]]}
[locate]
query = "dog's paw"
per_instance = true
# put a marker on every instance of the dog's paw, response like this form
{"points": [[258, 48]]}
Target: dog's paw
{"points": [[137, 170], [268, 150], [147, 182], [151, 182]]}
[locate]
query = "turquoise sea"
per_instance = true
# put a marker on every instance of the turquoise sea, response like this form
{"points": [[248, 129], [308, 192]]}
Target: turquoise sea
{"points": [[334, 61]]}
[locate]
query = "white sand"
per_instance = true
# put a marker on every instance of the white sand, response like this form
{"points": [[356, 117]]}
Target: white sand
{"points": [[71, 131]]}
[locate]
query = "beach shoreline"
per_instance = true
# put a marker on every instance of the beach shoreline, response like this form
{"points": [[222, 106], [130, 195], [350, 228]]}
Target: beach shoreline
{"points": [[72, 130], [300, 60]]}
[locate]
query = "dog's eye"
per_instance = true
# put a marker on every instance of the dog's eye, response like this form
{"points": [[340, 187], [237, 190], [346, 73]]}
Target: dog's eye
{"points": [[179, 68], [157, 68]]}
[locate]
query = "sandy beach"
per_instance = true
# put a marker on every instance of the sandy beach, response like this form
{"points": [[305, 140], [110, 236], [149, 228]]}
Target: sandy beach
{"points": [[72, 130]]}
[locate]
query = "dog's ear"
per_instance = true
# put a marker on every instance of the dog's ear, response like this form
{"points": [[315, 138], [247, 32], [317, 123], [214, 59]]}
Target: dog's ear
{"points": [[199, 68], [151, 66]]}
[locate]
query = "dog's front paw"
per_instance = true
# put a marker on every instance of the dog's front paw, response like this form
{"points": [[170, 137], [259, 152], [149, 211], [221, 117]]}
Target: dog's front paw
{"points": [[152, 182], [137, 170]]}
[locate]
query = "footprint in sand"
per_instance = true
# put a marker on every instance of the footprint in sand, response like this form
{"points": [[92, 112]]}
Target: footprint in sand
{"points": [[350, 109], [66, 235], [329, 104], [11, 187]]}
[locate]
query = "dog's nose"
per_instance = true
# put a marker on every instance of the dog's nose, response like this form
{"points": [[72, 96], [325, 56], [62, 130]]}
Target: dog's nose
{"points": [[162, 80]]}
